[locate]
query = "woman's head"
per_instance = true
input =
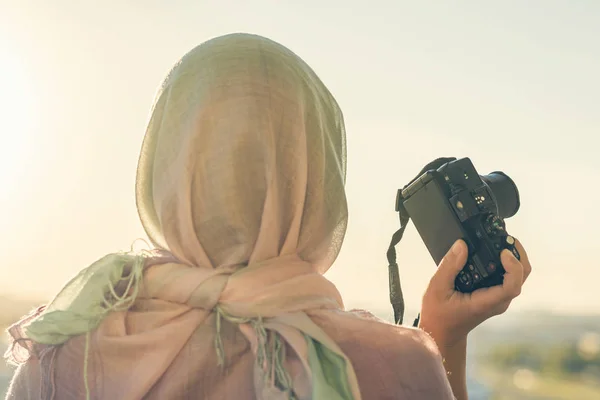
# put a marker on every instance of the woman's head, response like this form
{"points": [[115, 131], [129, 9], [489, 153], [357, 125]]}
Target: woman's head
{"points": [[244, 158]]}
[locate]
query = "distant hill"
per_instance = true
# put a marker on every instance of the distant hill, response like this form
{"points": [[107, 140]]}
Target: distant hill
{"points": [[540, 327]]}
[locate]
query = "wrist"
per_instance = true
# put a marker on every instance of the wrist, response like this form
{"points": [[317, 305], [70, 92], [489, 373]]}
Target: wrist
{"points": [[455, 344], [452, 346], [445, 339]]}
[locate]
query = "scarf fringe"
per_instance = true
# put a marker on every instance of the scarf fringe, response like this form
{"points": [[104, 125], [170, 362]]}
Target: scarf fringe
{"points": [[270, 354]]}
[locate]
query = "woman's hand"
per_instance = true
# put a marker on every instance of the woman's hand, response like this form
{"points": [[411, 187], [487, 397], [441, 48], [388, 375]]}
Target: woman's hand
{"points": [[448, 315]]}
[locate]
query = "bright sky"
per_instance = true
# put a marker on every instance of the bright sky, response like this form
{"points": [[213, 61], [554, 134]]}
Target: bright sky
{"points": [[514, 85]]}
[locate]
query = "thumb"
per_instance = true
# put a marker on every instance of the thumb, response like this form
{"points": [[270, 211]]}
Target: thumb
{"points": [[454, 261]]}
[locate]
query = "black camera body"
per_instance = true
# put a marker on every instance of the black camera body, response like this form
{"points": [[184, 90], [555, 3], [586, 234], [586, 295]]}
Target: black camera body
{"points": [[454, 202]]}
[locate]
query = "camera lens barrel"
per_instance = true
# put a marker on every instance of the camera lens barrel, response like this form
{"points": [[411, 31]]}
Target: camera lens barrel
{"points": [[505, 191]]}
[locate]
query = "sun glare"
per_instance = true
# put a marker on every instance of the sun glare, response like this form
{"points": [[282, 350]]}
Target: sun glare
{"points": [[16, 117]]}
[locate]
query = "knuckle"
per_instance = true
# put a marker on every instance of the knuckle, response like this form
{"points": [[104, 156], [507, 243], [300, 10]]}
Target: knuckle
{"points": [[512, 292], [503, 307], [517, 291]]}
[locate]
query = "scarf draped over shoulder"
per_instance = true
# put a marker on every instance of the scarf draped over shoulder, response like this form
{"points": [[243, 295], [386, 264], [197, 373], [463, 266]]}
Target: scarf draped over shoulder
{"points": [[240, 188]]}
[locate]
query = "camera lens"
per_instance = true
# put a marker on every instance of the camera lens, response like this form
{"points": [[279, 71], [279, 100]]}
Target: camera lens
{"points": [[505, 191]]}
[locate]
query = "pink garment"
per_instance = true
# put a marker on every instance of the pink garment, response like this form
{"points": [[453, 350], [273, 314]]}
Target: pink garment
{"points": [[391, 362], [241, 180]]}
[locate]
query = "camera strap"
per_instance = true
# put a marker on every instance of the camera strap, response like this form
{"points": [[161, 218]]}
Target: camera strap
{"points": [[396, 296]]}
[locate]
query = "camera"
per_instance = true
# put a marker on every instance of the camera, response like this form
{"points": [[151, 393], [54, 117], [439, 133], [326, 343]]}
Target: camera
{"points": [[454, 202]]}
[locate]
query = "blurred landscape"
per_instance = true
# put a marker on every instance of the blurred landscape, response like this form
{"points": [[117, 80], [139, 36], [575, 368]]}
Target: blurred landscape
{"points": [[512, 85], [537, 356], [518, 356]]}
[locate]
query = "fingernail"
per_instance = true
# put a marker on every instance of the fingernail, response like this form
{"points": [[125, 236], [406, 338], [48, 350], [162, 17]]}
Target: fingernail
{"points": [[457, 248]]}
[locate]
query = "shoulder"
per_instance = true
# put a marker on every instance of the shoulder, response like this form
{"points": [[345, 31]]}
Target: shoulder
{"points": [[417, 339], [26, 381], [388, 358]]}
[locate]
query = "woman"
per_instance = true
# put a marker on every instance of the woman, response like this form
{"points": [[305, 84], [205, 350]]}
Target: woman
{"points": [[240, 188]]}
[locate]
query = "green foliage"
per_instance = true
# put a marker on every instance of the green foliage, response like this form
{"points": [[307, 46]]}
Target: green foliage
{"points": [[563, 359]]}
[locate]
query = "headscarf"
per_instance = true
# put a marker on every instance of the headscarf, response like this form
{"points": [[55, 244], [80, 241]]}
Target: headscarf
{"points": [[240, 188]]}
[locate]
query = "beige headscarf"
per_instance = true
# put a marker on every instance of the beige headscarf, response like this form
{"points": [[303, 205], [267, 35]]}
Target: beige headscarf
{"points": [[241, 189]]}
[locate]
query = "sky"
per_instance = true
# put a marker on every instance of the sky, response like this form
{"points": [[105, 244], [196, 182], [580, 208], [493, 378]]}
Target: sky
{"points": [[513, 85]]}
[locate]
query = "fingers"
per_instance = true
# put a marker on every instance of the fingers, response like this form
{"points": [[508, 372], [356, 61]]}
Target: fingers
{"points": [[495, 300], [524, 260], [514, 276], [454, 260]]}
